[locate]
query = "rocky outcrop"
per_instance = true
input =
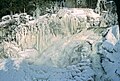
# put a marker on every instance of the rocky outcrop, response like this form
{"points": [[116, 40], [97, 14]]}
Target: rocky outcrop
{"points": [[109, 55]]}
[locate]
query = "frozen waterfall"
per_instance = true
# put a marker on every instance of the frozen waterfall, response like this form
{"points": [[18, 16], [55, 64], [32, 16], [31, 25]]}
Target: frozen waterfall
{"points": [[74, 44]]}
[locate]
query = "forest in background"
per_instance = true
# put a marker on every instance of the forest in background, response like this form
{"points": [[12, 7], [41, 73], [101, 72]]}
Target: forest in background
{"points": [[8, 7]]}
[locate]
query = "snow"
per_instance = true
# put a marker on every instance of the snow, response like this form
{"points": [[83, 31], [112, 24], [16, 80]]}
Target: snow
{"points": [[110, 58], [56, 64], [51, 48], [28, 72]]}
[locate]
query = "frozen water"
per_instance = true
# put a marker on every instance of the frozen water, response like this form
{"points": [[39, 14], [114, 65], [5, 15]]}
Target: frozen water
{"points": [[61, 47]]}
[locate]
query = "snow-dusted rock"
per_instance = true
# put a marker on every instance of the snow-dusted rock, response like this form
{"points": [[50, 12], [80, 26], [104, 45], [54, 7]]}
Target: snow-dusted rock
{"points": [[6, 18], [110, 61], [113, 35], [16, 17]]}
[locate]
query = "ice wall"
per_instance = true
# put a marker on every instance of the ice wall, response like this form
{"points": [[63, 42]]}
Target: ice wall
{"points": [[43, 31]]}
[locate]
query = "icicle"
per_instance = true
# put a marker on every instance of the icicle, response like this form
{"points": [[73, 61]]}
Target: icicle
{"points": [[38, 38]]}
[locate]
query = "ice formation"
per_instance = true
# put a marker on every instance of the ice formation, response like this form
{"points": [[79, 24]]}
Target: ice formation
{"points": [[74, 44]]}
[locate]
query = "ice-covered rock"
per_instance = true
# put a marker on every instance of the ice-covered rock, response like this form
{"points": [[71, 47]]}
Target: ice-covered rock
{"points": [[109, 56], [6, 18], [16, 17], [113, 35]]}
